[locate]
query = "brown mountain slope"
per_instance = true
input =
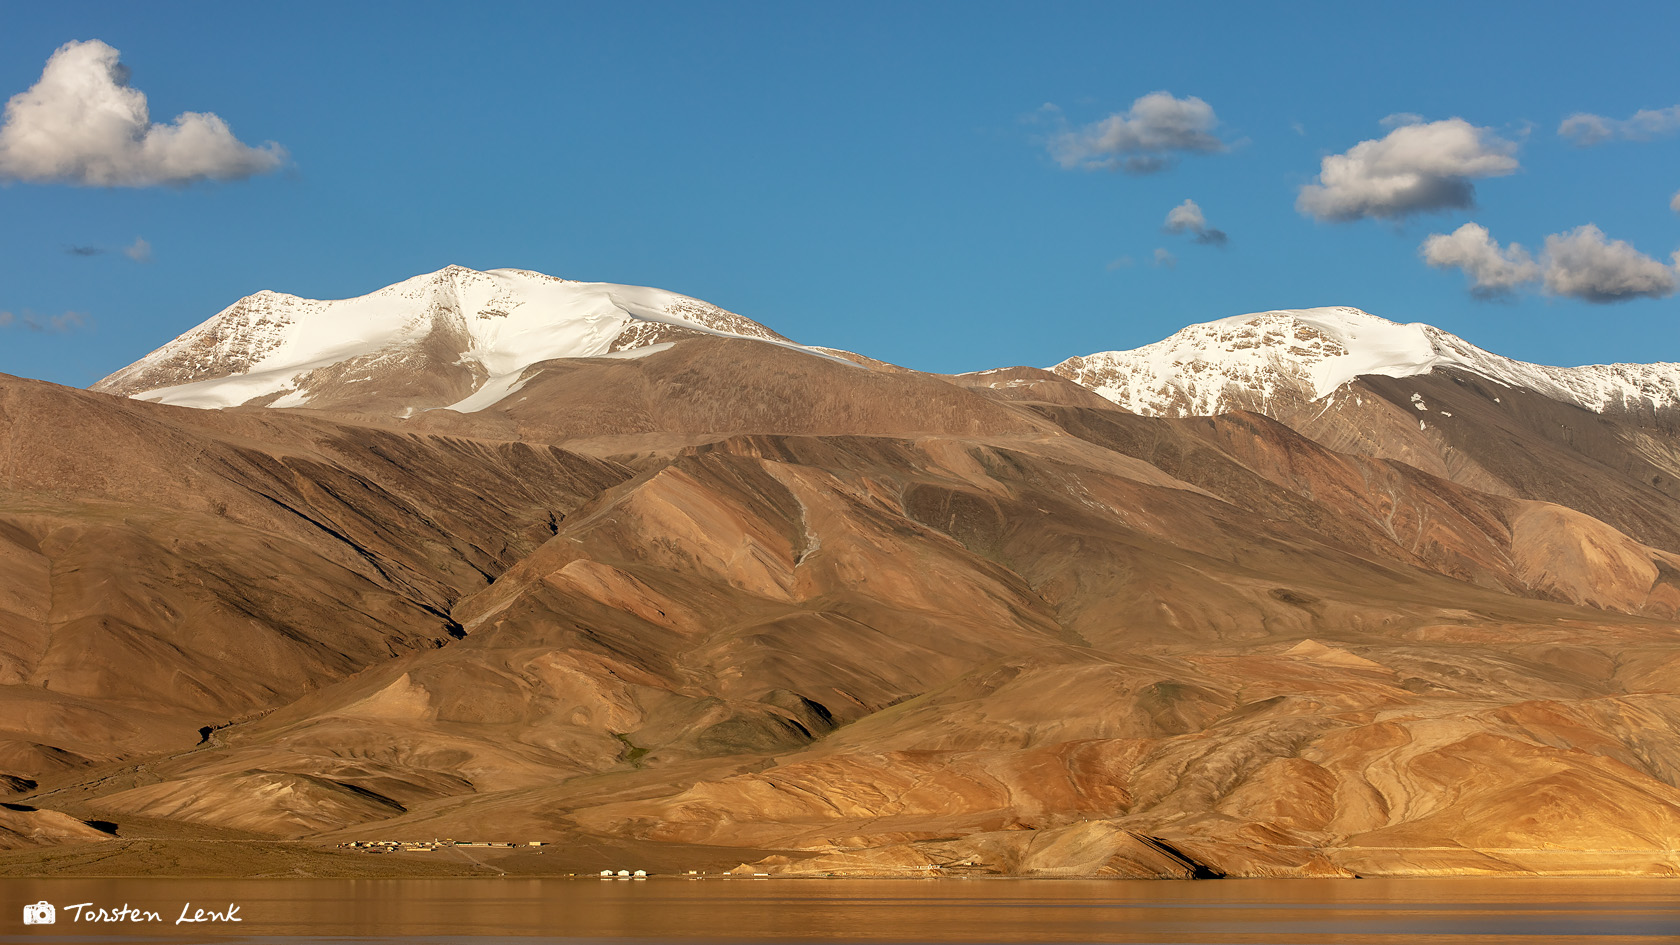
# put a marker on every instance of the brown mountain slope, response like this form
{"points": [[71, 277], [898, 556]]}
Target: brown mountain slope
{"points": [[879, 621], [1621, 468], [708, 386], [170, 569]]}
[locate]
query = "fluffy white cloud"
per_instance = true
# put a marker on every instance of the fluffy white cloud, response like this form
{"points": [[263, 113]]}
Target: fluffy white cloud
{"points": [[1187, 218], [1165, 259], [1587, 129], [1583, 264], [1580, 264], [82, 124], [1675, 203], [1414, 169], [1492, 270], [1144, 139]]}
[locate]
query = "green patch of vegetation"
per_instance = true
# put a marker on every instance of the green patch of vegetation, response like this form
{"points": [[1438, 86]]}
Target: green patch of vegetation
{"points": [[632, 754]]}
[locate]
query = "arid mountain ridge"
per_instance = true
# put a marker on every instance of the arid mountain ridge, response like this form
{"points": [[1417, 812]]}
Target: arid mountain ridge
{"points": [[729, 598]]}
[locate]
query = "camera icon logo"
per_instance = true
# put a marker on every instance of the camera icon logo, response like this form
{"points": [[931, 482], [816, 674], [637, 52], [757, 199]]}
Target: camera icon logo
{"points": [[41, 913]]}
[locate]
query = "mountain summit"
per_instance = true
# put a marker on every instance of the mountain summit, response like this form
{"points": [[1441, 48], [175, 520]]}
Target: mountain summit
{"points": [[464, 340], [1267, 361], [453, 338]]}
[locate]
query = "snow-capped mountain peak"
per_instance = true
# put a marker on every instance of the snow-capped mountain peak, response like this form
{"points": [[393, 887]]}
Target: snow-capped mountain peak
{"points": [[456, 337], [1251, 362]]}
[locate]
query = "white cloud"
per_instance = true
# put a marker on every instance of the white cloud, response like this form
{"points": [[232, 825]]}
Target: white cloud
{"points": [[82, 124], [1144, 139], [1675, 203], [1414, 169], [1165, 259], [1401, 120], [57, 324], [1587, 129], [1582, 264], [1124, 262], [1187, 218], [140, 251], [1493, 271]]}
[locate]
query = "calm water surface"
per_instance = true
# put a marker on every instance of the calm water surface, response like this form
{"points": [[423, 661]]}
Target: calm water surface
{"points": [[1430, 911]]}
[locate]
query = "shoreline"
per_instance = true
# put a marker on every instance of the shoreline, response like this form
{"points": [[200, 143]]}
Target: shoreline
{"points": [[203, 858]]}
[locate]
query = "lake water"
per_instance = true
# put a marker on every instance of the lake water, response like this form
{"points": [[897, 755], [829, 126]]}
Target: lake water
{"points": [[1429, 911]]}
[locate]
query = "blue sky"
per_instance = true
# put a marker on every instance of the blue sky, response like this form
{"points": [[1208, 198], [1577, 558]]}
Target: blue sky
{"points": [[879, 177]]}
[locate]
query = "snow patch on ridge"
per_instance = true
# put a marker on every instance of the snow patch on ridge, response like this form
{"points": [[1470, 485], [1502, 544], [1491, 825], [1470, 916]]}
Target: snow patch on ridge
{"points": [[494, 391]]}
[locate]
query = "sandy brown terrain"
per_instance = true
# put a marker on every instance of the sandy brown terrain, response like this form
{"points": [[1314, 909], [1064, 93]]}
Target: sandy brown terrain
{"points": [[730, 603]]}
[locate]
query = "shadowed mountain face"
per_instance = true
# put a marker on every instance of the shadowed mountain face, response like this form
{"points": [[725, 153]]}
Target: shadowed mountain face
{"points": [[170, 569], [1618, 466], [734, 594]]}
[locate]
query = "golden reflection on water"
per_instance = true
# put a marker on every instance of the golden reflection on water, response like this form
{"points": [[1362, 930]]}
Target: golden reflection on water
{"points": [[1434, 911]]}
